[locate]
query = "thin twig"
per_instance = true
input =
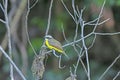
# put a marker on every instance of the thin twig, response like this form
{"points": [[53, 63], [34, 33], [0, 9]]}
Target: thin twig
{"points": [[99, 16], [75, 12], [107, 34], [109, 67], [118, 74], [68, 10], [76, 32], [63, 31], [93, 21], [9, 37], [72, 75], [75, 37], [93, 32], [2, 21], [86, 52], [93, 41], [34, 4], [11, 61], [80, 60], [49, 18], [71, 43], [26, 26], [83, 65], [59, 57], [2, 7], [98, 23], [61, 67], [81, 22]]}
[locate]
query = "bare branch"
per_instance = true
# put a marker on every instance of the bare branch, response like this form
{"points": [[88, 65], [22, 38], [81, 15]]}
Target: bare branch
{"points": [[93, 21], [61, 67], [93, 41], [79, 60], [68, 10], [49, 17], [99, 16], [34, 4], [98, 23], [1, 7], [109, 67], [86, 52], [75, 37], [106, 34], [26, 26], [75, 12], [2, 21], [116, 76], [71, 43], [64, 34], [11, 61], [76, 32], [9, 36]]}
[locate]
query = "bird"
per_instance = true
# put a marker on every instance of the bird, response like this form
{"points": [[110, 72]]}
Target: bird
{"points": [[53, 44]]}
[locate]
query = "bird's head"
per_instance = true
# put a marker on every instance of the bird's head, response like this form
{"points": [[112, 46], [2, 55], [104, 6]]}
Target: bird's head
{"points": [[48, 37]]}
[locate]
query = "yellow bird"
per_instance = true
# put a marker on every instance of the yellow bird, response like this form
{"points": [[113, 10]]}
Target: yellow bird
{"points": [[53, 44]]}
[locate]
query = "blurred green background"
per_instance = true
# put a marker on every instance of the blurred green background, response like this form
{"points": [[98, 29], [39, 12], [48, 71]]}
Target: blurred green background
{"points": [[101, 55]]}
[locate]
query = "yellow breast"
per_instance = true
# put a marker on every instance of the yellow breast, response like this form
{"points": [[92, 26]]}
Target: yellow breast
{"points": [[52, 47]]}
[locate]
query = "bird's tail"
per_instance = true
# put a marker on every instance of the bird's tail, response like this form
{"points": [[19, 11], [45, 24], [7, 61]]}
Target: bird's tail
{"points": [[65, 55]]}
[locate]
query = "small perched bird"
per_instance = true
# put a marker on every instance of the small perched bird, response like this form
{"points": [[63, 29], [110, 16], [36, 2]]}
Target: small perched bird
{"points": [[53, 44]]}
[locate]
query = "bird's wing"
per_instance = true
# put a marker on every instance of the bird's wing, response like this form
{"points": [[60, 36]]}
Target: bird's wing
{"points": [[55, 43]]}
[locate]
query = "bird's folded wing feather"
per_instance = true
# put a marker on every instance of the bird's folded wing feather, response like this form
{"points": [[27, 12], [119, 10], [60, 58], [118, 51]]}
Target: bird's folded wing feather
{"points": [[55, 43]]}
